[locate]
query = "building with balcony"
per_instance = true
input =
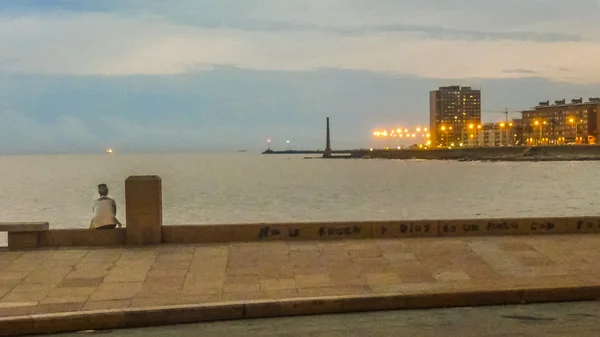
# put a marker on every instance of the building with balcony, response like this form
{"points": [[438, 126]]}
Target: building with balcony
{"points": [[451, 111], [562, 122]]}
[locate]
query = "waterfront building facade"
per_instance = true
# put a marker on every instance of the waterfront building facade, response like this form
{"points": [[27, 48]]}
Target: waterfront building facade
{"points": [[454, 113], [562, 122]]}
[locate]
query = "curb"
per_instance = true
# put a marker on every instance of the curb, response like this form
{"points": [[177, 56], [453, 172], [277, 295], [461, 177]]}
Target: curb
{"points": [[181, 314]]}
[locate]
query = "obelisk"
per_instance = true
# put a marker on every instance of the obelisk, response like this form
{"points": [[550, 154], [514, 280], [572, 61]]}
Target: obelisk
{"points": [[327, 153]]}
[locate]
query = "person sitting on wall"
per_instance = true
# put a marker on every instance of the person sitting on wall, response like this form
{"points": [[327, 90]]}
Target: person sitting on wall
{"points": [[105, 211]]}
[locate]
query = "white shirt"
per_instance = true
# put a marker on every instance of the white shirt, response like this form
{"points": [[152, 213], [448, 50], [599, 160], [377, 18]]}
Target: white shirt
{"points": [[105, 211]]}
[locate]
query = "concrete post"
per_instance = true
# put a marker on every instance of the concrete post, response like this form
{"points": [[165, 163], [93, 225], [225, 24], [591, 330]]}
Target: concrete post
{"points": [[143, 203]]}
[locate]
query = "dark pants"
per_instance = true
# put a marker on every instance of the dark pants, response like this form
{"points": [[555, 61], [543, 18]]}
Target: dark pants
{"points": [[107, 227]]}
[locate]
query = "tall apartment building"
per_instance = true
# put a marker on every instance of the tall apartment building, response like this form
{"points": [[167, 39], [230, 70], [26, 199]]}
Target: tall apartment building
{"points": [[452, 110], [562, 122]]}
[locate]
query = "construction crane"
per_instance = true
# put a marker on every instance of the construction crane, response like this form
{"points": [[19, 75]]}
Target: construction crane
{"points": [[506, 112]]}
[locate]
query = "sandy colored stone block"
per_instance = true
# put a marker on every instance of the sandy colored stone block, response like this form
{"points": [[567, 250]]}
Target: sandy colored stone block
{"points": [[25, 288], [448, 276], [410, 288], [80, 282], [325, 305], [206, 283], [143, 200], [306, 247], [102, 319], [124, 274], [243, 296], [12, 326], [333, 291], [265, 308], [23, 240], [222, 311], [186, 234], [95, 256], [398, 229], [54, 308], [241, 287], [466, 227], [277, 284], [332, 230], [174, 257], [116, 291], [312, 280], [106, 305], [82, 237], [17, 309], [54, 323], [4, 291], [538, 225], [88, 273], [174, 299], [64, 299], [45, 275], [22, 297], [12, 278], [71, 291], [372, 303], [280, 294], [181, 265], [583, 225], [163, 290], [382, 278], [200, 290]]}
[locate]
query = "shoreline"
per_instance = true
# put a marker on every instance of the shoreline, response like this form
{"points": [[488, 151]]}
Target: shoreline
{"points": [[491, 154]]}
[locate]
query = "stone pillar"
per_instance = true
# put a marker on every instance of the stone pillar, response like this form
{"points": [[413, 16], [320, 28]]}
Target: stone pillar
{"points": [[143, 206]]}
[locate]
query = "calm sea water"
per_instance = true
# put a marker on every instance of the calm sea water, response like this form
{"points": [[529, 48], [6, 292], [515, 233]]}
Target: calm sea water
{"points": [[242, 188]]}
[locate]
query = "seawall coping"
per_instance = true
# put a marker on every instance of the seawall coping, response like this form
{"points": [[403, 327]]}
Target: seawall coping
{"points": [[181, 314]]}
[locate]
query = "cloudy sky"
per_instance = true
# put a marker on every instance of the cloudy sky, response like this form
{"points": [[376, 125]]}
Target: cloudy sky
{"points": [[192, 75]]}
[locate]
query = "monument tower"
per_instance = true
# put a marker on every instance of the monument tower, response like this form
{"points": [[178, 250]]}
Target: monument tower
{"points": [[327, 153]]}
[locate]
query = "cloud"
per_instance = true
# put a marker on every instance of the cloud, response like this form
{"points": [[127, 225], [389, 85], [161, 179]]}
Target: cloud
{"points": [[111, 45], [520, 71]]}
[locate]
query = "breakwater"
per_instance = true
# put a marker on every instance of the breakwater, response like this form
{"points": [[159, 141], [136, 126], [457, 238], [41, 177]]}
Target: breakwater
{"points": [[516, 153]]}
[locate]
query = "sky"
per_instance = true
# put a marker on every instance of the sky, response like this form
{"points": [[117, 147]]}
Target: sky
{"points": [[79, 76]]}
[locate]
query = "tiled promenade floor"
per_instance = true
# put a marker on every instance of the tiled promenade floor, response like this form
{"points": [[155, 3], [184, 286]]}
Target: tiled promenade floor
{"points": [[46, 281]]}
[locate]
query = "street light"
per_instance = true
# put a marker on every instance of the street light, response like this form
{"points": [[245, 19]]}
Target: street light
{"points": [[288, 144], [268, 144]]}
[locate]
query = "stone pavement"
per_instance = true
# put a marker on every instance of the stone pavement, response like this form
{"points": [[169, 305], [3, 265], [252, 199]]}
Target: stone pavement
{"points": [[61, 280]]}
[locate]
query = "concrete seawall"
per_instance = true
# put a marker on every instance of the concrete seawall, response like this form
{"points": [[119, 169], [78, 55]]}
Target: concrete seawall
{"points": [[575, 152], [145, 227], [194, 234]]}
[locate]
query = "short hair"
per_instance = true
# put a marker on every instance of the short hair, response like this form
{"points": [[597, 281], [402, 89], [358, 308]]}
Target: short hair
{"points": [[102, 186]]}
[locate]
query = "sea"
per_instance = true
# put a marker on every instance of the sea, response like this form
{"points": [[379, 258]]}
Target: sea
{"points": [[232, 188]]}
